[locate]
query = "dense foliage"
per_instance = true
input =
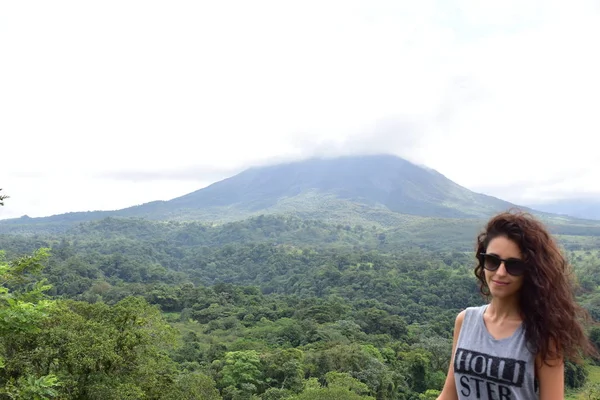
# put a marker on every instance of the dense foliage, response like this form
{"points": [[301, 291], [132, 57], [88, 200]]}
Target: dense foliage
{"points": [[267, 308]]}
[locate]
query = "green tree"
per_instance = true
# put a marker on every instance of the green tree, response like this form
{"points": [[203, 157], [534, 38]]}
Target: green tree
{"points": [[343, 380], [340, 386], [241, 373], [575, 375], [284, 369], [23, 312], [418, 369], [595, 336], [430, 394], [191, 386]]}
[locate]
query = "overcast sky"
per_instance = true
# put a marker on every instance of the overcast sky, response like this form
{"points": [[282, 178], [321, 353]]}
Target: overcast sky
{"points": [[109, 104]]}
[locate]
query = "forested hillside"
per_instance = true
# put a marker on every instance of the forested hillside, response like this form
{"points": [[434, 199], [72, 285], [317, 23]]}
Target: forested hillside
{"points": [[272, 307]]}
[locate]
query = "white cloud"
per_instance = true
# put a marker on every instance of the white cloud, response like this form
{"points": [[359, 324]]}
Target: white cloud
{"points": [[475, 90], [535, 118]]}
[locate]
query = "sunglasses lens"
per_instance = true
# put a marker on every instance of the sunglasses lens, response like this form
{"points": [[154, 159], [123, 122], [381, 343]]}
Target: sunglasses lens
{"points": [[490, 262], [515, 267]]}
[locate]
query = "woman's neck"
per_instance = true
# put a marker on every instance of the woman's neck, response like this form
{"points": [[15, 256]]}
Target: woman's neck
{"points": [[504, 308]]}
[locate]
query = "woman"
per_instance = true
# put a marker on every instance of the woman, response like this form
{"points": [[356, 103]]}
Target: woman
{"points": [[514, 347]]}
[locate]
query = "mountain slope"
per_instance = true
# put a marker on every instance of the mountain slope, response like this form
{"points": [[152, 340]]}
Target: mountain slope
{"points": [[578, 208], [378, 189], [384, 181]]}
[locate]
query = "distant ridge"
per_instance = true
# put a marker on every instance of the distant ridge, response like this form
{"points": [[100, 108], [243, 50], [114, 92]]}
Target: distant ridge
{"points": [[378, 189], [578, 208]]}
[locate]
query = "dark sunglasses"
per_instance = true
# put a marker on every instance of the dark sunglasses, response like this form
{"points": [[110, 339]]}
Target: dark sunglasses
{"points": [[492, 262]]}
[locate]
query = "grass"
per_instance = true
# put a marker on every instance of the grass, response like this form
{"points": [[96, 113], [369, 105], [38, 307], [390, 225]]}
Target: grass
{"points": [[593, 378]]}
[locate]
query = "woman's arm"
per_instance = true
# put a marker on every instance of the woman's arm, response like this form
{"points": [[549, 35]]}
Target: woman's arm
{"points": [[551, 379], [449, 391]]}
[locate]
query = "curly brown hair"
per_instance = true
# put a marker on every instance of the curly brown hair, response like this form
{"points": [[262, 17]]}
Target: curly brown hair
{"points": [[553, 321]]}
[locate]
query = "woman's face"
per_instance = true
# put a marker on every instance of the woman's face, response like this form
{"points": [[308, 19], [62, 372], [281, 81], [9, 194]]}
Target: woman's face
{"points": [[501, 283]]}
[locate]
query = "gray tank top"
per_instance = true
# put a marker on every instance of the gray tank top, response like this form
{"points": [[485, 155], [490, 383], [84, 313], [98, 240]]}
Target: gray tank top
{"points": [[489, 369]]}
